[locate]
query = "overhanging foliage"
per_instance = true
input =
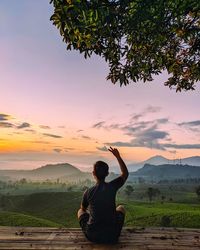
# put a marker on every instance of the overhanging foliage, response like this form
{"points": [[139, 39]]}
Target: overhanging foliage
{"points": [[138, 39]]}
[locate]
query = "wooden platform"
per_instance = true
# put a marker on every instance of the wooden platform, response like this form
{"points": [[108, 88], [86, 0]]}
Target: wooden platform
{"points": [[20, 238]]}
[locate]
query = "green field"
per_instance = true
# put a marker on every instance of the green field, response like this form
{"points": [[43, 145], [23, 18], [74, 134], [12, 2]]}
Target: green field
{"points": [[18, 219], [151, 215], [60, 208], [57, 207]]}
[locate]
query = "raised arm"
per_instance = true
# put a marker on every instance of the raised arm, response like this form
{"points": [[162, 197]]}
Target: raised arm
{"points": [[124, 170]]}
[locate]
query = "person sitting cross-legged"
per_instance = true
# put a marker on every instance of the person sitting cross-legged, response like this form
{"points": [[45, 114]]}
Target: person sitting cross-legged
{"points": [[101, 221]]}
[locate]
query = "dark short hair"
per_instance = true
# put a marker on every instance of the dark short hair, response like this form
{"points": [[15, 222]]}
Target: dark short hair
{"points": [[101, 170]]}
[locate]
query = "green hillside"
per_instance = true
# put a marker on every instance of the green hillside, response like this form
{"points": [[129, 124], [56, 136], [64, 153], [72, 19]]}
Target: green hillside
{"points": [[60, 209], [151, 215], [57, 207], [18, 219]]}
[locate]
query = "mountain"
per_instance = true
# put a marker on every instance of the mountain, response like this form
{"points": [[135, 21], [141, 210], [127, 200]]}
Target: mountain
{"points": [[55, 171], [50, 171], [166, 172], [194, 161], [155, 160], [159, 160]]}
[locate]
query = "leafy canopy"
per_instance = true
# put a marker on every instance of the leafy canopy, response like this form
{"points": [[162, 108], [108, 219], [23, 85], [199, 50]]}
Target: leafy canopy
{"points": [[138, 39]]}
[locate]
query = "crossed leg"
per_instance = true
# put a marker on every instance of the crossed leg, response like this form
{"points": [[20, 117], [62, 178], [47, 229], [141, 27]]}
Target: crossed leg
{"points": [[80, 212], [121, 209]]}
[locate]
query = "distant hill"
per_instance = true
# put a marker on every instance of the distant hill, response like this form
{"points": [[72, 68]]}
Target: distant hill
{"points": [[50, 171], [55, 171], [159, 160], [166, 172], [194, 161]]}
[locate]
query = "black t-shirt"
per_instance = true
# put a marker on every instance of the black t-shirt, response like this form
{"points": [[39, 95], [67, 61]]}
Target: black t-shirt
{"points": [[100, 200]]}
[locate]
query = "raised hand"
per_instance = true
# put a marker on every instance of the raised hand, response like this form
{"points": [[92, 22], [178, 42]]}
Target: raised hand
{"points": [[124, 170], [114, 151]]}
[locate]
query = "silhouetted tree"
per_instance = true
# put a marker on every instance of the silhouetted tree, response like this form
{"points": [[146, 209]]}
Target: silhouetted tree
{"points": [[128, 190], [69, 188], [152, 192], [163, 198], [23, 181], [198, 191]]}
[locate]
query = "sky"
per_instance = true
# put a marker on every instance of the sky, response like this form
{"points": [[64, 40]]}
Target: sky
{"points": [[55, 106]]}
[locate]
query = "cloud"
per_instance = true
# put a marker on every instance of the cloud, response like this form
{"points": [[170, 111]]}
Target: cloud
{"points": [[134, 124], [107, 127], [138, 128], [172, 151], [155, 145], [193, 126], [120, 144], [99, 125], [89, 152], [40, 142], [69, 148], [30, 130], [147, 110], [143, 137], [153, 134], [130, 129], [57, 150], [52, 135], [142, 133], [162, 121], [6, 125], [136, 117], [182, 146], [190, 124], [4, 117], [152, 109], [24, 125], [44, 127], [104, 149], [150, 138], [86, 137], [114, 126]]}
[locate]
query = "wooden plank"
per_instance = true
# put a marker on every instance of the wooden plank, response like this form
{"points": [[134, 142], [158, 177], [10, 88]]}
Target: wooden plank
{"points": [[21, 238]]}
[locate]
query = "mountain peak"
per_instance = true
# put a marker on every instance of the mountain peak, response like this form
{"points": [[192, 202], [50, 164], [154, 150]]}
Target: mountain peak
{"points": [[57, 168], [157, 160], [159, 157]]}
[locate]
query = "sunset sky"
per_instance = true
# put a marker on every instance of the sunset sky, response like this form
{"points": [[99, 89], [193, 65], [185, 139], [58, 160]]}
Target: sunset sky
{"points": [[55, 106]]}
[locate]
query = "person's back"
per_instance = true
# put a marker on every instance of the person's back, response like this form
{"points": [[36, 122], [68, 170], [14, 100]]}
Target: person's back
{"points": [[104, 221]]}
